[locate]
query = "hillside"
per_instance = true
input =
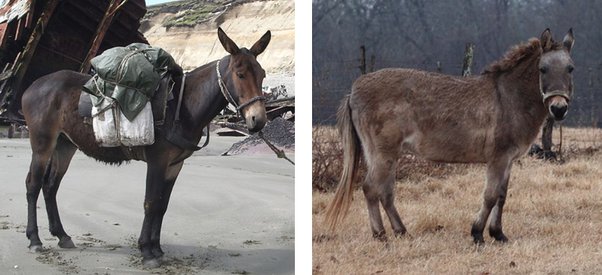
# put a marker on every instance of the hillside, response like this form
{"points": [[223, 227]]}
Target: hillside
{"points": [[187, 30]]}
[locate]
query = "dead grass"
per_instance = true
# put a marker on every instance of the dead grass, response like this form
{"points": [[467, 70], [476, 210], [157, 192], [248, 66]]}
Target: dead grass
{"points": [[553, 218]]}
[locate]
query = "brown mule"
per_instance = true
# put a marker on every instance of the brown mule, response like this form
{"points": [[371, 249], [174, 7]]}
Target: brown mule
{"points": [[57, 131], [492, 118]]}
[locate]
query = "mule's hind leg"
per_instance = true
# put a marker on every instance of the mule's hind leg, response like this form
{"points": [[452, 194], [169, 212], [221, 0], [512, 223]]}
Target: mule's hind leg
{"points": [[378, 187], [59, 163], [42, 145], [498, 173]]}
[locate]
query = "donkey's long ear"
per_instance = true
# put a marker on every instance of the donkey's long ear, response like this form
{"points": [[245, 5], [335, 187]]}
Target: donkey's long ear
{"points": [[569, 40], [546, 40], [261, 44], [227, 43]]}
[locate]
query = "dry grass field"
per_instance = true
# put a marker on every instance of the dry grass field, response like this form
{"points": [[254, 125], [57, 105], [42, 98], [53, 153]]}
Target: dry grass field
{"points": [[552, 217]]}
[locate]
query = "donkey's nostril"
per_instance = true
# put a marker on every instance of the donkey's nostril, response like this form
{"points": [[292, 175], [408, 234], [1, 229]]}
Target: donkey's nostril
{"points": [[558, 111], [253, 118]]}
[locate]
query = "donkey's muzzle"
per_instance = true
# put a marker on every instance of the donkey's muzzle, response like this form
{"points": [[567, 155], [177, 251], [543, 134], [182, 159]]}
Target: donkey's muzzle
{"points": [[558, 111]]}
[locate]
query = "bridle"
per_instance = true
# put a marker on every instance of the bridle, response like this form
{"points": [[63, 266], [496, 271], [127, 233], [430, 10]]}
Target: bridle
{"points": [[228, 96], [561, 93]]}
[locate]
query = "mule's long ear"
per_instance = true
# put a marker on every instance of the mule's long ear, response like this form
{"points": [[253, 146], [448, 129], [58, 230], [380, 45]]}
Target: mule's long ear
{"points": [[569, 40], [261, 44], [546, 40], [227, 43]]}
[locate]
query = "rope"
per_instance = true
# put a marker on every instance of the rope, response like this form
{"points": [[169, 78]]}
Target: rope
{"points": [[279, 153]]}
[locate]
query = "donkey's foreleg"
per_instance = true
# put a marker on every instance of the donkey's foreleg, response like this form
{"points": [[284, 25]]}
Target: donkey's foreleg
{"points": [[57, 168], [171, 176], [495, 222], [498, 172]]}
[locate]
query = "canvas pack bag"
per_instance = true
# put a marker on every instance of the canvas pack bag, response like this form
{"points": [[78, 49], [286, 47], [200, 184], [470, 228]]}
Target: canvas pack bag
{"points": [[125, 81]]}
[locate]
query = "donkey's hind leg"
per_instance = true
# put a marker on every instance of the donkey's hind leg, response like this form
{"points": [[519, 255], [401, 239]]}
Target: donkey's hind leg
{"points": [[378, 187], [498, 173], [59, 163]]}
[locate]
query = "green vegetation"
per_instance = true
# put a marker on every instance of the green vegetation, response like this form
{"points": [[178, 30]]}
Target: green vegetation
{"points": [[188, 13]]}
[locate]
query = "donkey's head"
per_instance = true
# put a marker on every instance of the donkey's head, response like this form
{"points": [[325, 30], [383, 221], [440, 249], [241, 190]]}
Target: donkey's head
{"points": [[556, 73], [247, 76]]}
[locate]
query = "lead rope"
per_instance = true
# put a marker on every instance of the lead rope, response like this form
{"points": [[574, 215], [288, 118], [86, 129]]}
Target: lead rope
{"points": [[279, 153], [228, 97]]}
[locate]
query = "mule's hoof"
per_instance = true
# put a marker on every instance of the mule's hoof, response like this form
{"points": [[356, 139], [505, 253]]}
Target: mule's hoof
{"points": [[151, 263], [66, 243], [158, 253], [36, 248]]}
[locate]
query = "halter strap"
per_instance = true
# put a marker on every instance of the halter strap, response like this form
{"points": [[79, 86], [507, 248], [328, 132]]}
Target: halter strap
{"points": [[228, 96], [555, 93]]}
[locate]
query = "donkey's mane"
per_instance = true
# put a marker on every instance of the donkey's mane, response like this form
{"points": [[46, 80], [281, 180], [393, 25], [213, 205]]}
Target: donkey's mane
{"points": [[516, 55]]}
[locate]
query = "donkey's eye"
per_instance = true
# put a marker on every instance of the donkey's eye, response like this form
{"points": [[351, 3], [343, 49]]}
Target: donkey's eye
{"points": [[570, 68], [543, 70], [240, 75]]}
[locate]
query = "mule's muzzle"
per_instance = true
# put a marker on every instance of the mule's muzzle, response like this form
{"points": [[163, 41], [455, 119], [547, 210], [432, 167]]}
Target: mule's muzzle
{"points": [[255, 123], [255, 117]]}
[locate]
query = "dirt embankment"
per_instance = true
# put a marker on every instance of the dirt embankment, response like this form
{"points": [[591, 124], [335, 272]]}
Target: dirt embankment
{"points": [[196, 43]]}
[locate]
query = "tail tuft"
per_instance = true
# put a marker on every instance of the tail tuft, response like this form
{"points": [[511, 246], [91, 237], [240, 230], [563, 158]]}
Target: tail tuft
{"points": [[338, 208]]}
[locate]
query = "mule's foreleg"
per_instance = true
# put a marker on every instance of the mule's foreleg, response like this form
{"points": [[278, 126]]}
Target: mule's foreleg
{"points": [[155, 183], [56, 170], [498, 172], [155, 238]]}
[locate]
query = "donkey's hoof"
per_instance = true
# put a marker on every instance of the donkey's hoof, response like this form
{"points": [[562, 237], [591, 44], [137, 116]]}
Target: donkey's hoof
{"points": [[36, 248], [478, 239], [501, 238], [381, 236], [66, 242], [151, 263], [498, 235]]}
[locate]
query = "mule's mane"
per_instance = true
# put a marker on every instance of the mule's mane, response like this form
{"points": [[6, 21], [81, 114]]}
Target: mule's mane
{"points": [[516, 55]]}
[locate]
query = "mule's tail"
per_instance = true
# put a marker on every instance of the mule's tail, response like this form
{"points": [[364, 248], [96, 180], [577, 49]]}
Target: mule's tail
{"points": [[338, 208]]}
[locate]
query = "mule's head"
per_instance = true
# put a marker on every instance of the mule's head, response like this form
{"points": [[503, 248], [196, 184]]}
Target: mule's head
{"points": [[556, 73], [247, 76]]}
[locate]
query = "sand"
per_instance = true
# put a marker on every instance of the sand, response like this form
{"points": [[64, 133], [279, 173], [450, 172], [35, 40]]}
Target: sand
{"points": [[227, 215]]}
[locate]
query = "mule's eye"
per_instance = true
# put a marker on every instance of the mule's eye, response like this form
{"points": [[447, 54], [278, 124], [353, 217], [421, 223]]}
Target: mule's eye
{"points": [[543, 70], [570, 68], [240, 75]]}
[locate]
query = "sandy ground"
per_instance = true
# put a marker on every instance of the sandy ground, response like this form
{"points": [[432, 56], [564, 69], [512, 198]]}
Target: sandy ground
{"points": [[227, 215]]}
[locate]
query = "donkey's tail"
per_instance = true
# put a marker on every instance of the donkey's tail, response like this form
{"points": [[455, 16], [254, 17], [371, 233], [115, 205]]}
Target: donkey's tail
{"points": [[338, 208]]}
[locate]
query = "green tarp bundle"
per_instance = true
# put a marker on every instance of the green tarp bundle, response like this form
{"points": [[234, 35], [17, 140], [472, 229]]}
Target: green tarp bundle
{"points": [[129, 75]]}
